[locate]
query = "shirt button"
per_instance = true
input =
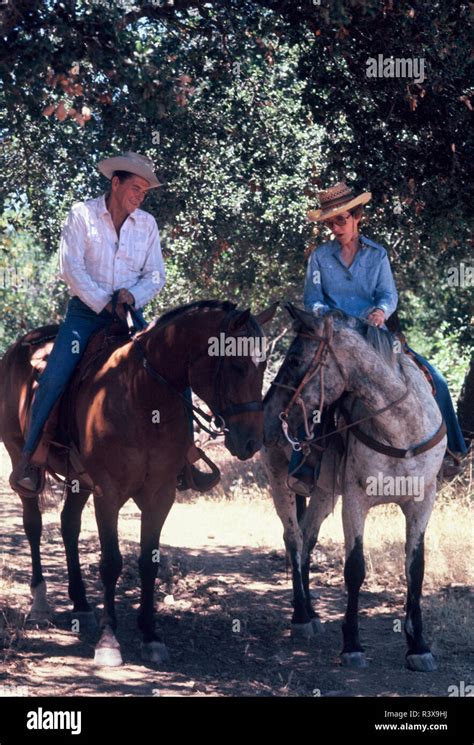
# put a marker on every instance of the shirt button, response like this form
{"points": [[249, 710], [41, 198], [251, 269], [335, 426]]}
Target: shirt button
{"points": [[348, 276]]}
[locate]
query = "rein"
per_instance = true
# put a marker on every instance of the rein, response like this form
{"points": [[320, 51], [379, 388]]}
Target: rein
{"points": [[217, 421]]}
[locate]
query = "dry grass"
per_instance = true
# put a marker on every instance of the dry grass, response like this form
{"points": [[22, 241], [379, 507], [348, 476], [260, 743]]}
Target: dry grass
{"points": [[237, 517]]}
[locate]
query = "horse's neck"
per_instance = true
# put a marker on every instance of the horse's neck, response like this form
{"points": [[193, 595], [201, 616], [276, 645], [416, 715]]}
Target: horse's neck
{"points": [[377, 385], [172, 347]]}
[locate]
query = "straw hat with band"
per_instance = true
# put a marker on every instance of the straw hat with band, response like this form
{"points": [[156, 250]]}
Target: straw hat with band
{"points": [[134, 163], [335, 200]]}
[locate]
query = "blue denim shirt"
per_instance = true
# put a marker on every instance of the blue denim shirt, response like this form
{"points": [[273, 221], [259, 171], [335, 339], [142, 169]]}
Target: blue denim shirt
{"points": [[367, 284]]}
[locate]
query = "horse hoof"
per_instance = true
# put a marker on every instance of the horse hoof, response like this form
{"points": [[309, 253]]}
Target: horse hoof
{"points": [[421, 663], [302, 630], [83, 621], [108, 656], [43, 617], [154, 652], [318, 626], [354, 660]]}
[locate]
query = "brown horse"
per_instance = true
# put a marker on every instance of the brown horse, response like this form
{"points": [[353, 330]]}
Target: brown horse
{"points": [[132, 432]]}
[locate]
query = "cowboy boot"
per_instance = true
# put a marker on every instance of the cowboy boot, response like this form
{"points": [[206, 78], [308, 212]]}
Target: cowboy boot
{"points": [[26, 478], [192, 478], [452, 466]]}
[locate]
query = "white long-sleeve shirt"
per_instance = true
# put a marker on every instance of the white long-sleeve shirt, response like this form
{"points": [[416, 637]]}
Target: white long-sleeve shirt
{"points": [[94, 262]]}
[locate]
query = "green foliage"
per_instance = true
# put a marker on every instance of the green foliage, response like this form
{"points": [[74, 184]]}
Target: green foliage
{"points": [[247, 108], [30, 292]]}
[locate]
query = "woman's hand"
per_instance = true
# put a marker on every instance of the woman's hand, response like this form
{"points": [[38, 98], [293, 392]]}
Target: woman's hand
{"points": [[377, 317]]}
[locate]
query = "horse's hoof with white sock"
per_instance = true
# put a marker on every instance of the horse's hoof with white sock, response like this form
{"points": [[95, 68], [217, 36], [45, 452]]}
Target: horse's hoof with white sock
{"points": [[302, 630], [108, 657], [154, 652], [40, 611], [355, 660], [422, 663], [107, 651]]}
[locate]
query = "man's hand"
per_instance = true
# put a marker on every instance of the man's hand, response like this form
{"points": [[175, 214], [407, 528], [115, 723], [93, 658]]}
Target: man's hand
{"points": [[125, 296], [377, 317]]}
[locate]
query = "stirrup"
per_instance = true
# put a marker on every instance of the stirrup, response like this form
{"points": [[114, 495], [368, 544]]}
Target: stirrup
{"points": [[192, 478]]}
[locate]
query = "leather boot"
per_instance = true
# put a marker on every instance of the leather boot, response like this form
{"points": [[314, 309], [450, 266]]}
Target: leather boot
{"points": [[26, 478]]}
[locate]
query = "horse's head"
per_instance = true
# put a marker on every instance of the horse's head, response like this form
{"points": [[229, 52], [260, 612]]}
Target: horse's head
{"points": [[229, 378], [312, 376]]}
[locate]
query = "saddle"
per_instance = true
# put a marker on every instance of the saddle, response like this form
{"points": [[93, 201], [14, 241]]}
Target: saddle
{"points": [[58, 429]]}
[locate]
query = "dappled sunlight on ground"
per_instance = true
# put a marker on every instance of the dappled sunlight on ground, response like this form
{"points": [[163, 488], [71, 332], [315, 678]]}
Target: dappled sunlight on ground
{"points": [[223, 601]]}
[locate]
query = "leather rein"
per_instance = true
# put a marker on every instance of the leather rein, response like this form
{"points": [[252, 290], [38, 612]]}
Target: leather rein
{"points": [[317, 364], [217, 421]]}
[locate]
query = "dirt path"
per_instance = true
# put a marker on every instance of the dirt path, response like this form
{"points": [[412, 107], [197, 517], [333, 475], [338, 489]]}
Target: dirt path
{"points": [[224, 611]]}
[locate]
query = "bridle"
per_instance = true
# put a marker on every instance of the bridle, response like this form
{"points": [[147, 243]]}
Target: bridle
{"points": [[317, 364], [222, 413]]}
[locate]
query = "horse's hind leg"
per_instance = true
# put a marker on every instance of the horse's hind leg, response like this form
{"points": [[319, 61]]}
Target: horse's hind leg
{"points": [[33, 525], [107, 650], [70, 529], [353, 517], [419, 656]]}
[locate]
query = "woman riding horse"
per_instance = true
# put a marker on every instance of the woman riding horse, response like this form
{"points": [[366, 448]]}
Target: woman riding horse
{"points": [[352, 273]]}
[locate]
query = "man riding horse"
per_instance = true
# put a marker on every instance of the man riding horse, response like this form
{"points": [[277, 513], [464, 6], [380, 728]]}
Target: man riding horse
{"points": [[110, 258]]}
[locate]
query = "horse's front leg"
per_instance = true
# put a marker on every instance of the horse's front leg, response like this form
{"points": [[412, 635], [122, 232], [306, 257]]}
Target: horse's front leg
{"points": [[419, 656], [70, 530], [107, 650], [319, 507], [354, 512], [276, 466], [155, 509]]}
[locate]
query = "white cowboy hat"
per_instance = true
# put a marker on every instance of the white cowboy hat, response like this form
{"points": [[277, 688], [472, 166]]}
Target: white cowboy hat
{"points": [[134, 163], [335, 200]]}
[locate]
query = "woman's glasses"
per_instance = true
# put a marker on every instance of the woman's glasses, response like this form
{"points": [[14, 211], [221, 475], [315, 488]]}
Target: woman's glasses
{"points": [[339, 220]]}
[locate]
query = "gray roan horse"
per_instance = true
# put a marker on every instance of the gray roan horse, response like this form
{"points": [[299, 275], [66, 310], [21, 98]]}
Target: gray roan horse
{"points": [[393, 434]]}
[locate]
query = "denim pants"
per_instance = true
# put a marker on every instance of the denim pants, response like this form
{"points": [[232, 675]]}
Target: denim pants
{"points": [[443, 398], [70, 344]]}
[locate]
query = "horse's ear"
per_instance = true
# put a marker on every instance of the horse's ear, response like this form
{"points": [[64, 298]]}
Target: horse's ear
{"points": [[301, 316], [266, 315], [240, 320]]}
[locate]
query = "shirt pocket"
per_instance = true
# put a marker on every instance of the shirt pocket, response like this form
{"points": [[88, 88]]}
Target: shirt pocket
{"points": [[136, 255], [94, 246]]}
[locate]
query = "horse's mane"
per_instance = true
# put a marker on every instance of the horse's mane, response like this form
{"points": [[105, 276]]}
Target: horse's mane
{"points": [[380, 339], [223, 305], [174, 313]]}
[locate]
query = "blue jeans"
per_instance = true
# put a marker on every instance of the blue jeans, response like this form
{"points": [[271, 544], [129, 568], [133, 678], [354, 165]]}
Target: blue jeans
{"points": [[74, 333], [456, 441], [297, 455]]}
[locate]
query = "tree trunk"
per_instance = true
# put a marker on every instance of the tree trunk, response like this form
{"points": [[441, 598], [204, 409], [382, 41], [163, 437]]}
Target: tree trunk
{"points": [[466, 402]]}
